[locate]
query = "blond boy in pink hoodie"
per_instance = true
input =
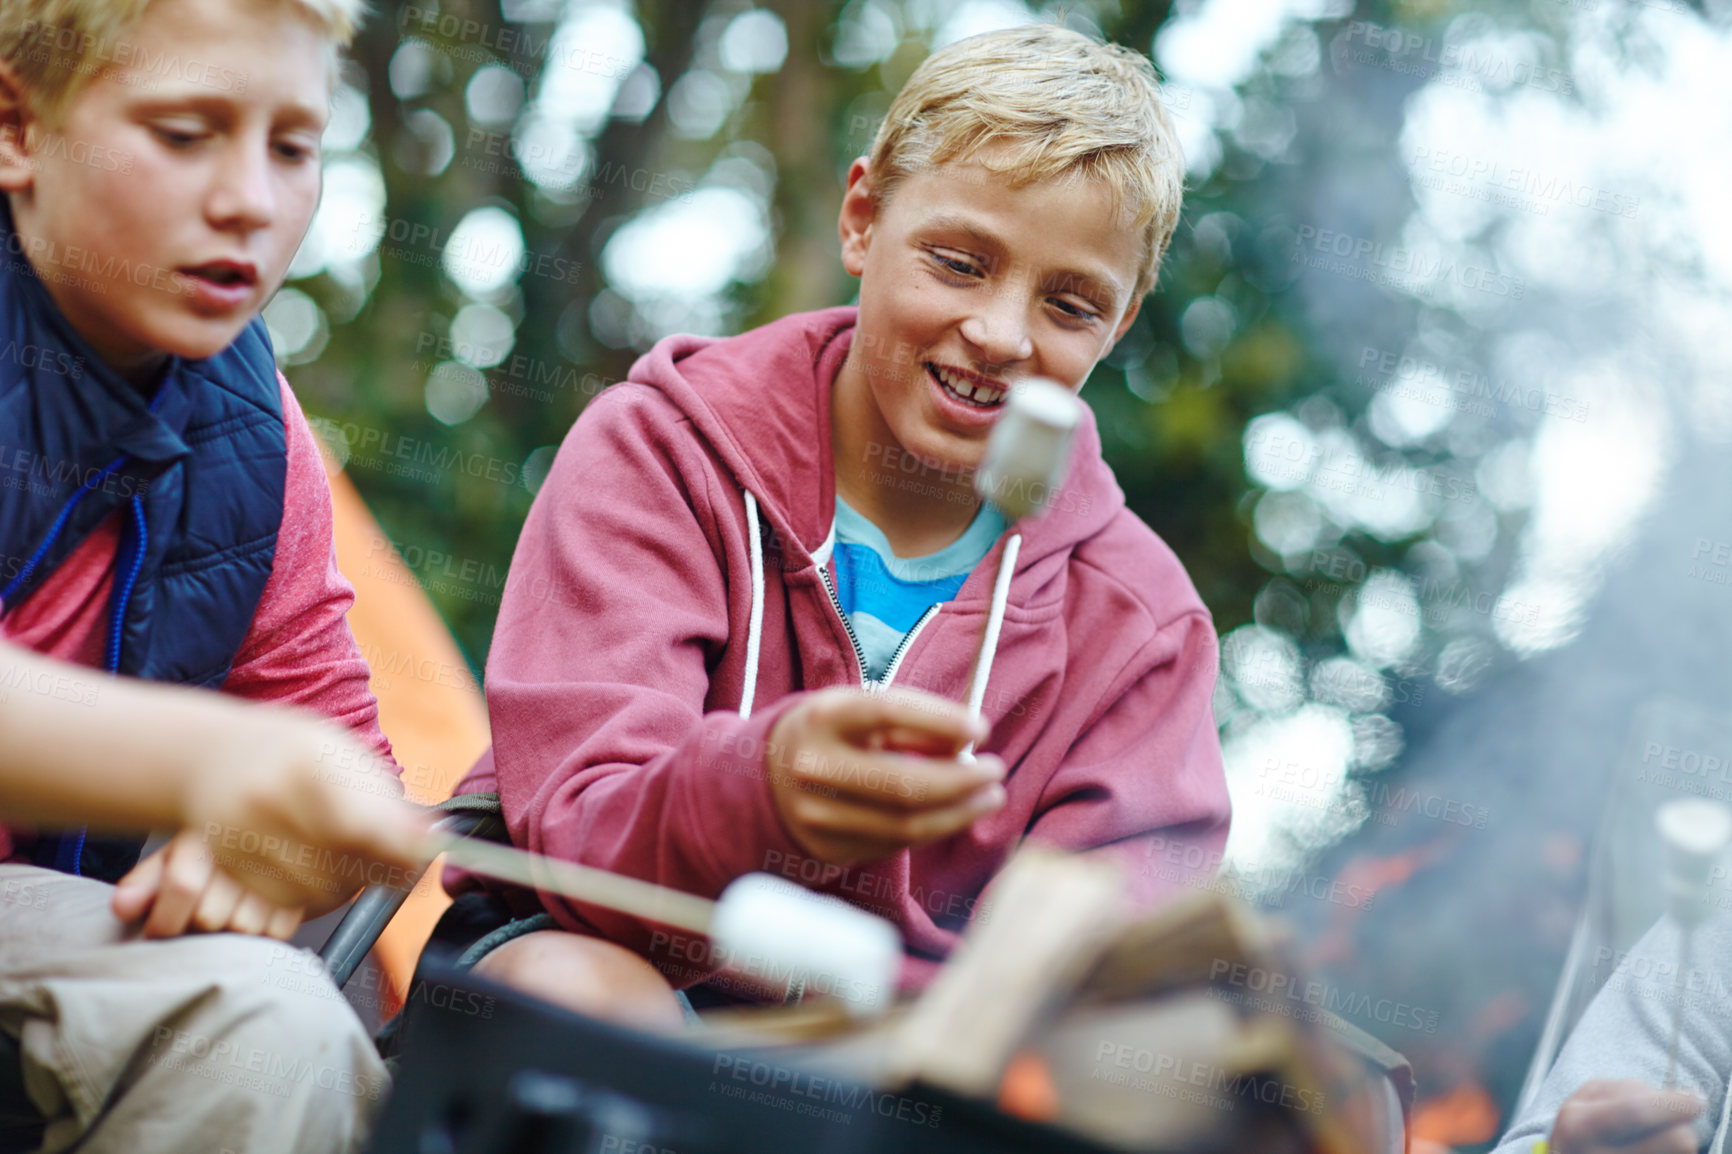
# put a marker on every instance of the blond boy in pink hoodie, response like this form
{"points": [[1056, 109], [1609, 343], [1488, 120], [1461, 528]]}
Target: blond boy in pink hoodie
{"points": [[748, 600]]}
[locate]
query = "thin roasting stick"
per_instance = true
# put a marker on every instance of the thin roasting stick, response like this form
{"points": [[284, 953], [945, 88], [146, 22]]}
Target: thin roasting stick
{"points": [[596, 887], [818, 941], [1678, 1006], [1026, 456]]}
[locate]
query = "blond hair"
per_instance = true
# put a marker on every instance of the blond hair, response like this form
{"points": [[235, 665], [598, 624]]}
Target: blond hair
{"points": [[1039, 102], [53, 47]]}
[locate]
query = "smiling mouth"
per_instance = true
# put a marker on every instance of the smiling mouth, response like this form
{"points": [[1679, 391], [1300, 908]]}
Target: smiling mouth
{"points": [[964, 389]]}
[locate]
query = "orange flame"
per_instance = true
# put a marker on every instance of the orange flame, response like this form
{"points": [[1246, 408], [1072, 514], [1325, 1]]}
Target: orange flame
{"points": [[1371, 875], [1463, 1117]]}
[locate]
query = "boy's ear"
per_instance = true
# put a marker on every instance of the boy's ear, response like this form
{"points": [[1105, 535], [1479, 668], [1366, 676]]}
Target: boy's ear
{"points": [[16, 171], [859, 212]]}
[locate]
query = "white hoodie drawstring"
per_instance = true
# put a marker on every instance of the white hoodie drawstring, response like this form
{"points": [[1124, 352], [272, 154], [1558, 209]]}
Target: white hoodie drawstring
{"points": [[989, 643], [755, 631]]}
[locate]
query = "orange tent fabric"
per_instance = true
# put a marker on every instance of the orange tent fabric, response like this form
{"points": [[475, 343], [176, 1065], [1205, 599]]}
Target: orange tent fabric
{"points": [[430, 704]]}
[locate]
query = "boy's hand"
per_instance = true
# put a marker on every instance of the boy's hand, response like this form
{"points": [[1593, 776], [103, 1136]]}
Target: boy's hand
{"points": [[182, 890], [282, 815], [1627, 1117], [859, 776]]}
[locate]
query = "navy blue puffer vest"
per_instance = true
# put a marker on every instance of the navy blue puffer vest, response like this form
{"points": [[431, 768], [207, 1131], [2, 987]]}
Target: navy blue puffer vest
{"points": [[196, 473]]}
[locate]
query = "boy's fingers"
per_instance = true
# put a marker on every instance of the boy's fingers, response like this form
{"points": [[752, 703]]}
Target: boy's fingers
{"points": [[137, 889], [897, 781], [1623, 1113], [1628, 1119], [284, 922], [838, 816], [187, 871], [856, 715], [252, 915], [397, 833], [901, 739], [1677, 1139], [378, 828], [217, 904]]}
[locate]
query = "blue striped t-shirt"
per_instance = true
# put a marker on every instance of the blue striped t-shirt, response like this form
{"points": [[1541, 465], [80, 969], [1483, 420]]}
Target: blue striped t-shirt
{"points": [[883, 595]]}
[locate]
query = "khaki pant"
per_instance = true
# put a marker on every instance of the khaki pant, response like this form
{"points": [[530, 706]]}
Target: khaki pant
{"points": [[205, 1043]]}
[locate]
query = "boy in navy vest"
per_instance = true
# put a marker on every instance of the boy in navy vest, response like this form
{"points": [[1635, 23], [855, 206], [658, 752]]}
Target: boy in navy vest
{"points": [[165, 515]]}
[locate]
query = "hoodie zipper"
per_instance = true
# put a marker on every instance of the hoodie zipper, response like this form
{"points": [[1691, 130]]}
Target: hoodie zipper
{"points": [[854, 639], [907, 641], [836, 604]]}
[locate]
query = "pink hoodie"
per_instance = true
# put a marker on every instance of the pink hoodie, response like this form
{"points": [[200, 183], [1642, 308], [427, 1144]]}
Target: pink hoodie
{"points": [[639, 618]]}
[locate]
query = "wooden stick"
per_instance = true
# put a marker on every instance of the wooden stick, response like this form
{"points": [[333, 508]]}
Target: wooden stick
{"points": [[596, 887]]}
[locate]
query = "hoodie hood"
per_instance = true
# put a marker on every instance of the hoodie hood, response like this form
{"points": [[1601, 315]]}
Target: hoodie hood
{"points": [[757, 397]]}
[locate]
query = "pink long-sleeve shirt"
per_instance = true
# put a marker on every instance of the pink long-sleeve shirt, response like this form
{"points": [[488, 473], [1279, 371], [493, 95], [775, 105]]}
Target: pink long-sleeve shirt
{"points": [[298, 651]]}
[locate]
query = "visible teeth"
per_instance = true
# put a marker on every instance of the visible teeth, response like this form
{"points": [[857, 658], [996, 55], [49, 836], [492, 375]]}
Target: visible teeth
{"points": [[981, 394]]}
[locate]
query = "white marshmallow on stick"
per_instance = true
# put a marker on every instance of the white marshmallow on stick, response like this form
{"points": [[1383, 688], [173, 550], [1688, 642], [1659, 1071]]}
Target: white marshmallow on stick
{"points": [[822, 944], [1027, 454], [1696, 832], [1028, 449]]}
